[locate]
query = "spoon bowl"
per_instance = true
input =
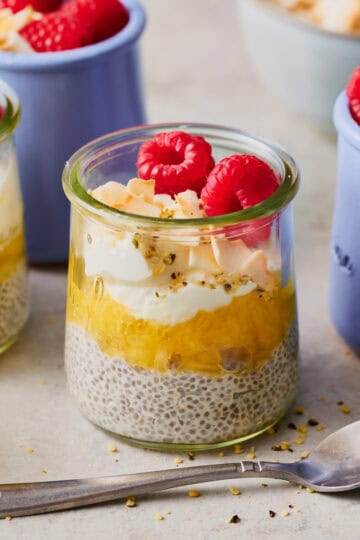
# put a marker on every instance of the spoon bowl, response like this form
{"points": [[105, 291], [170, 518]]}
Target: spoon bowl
{"points": [[334, 465]]}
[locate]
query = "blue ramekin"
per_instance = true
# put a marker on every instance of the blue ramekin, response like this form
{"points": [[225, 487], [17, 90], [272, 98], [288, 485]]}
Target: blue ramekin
{"points": [[345, 243], [67, 99]]}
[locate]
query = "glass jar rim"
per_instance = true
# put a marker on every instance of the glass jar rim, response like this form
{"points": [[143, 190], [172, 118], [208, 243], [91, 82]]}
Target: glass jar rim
{"points": [[11, 110], [78, 195]]}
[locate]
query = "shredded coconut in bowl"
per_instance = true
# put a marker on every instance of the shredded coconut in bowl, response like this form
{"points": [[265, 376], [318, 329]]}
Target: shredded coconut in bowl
{"points": [[10, 26], [341, 16]]}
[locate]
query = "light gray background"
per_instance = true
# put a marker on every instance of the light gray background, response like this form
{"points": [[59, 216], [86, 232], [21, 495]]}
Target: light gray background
{"points": [[196, 69]]}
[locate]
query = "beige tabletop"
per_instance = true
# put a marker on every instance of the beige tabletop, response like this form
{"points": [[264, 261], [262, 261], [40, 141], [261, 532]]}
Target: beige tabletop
{"points": [[195, 69]]}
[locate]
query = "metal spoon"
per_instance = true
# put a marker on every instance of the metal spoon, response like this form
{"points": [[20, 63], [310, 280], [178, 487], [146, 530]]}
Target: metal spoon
{"points": [[333, 466]]}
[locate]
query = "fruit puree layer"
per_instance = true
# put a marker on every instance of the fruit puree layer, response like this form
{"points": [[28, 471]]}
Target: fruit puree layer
{"points": [[13, 275]]}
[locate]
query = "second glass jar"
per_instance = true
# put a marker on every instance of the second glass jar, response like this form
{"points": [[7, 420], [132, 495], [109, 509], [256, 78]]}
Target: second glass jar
{"points": [[180, 334], [14, 301]]}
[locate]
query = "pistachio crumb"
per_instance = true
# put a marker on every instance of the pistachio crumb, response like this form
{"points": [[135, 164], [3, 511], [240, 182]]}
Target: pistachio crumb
{"points": [[234, 491], [320, 428], [30, 450], [191, 456], [270, 431], [345, 409], [310, 490], [44, 471], [302, 428], [297, 510], [194, 493], [8, 518], [284, 445], [299, 410], [272, 514], [238, 449], [130, 502], [251, 455], [159, 517], [299, 440], [111, 448], [221, 454], [179, 461], [285, 513], [304, 454], [42, 381], [234, 519]]}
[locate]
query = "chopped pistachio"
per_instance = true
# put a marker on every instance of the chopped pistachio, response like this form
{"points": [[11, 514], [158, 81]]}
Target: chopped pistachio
{"points": [[234, 519]]}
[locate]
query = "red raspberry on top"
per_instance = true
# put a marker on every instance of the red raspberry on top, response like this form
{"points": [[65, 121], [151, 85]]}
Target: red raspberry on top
{"points": [[100, 19], [39, 5], [176, 161], [353, 93], [53, 32], [238, 182]]}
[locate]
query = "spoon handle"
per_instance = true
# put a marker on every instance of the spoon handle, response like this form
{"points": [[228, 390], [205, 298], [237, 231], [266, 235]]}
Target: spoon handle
{"points": [[40, 497]]}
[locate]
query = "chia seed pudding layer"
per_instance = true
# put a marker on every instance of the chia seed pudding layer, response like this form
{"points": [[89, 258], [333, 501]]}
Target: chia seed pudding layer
{"points": [[14, 307], [178, 407]]}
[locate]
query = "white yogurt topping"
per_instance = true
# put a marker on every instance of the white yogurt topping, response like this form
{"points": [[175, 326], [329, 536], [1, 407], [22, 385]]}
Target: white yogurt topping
{"points": [[175, 307], [168, 281], [11, 210]]}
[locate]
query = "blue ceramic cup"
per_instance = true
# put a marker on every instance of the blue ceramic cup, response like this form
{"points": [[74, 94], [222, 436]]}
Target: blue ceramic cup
{"points": [[67, 99], [345, 248]]}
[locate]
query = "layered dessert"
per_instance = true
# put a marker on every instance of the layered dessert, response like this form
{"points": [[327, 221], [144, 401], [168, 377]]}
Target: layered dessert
{"points": [[13, 274], [341, 16], [182, 331], [55, 25]]}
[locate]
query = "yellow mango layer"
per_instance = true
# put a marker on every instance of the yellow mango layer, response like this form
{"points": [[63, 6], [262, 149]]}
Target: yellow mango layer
{"points": [[12, 254], [250, 328]]}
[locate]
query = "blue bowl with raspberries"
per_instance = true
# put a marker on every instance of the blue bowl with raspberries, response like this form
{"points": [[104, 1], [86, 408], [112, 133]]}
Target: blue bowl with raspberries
{"points": [[76, 70]]}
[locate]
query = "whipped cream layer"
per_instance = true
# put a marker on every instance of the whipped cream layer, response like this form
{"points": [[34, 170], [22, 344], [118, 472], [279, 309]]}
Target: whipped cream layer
{"points": [[11, 209], [157, 304], [169, 279]]}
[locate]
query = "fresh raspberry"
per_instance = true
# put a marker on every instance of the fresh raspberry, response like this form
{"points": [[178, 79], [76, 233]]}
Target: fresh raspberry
{"points": [[43, 6], [353, 93], [238, 182], [100, 19], [53, 32], [176, 161]]}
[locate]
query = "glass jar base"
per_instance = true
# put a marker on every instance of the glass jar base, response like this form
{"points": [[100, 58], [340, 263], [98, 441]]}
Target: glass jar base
{"points": [[181, 447], [5, 346]]}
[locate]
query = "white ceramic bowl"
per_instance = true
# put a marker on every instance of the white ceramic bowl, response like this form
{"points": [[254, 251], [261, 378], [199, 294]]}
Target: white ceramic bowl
{"points": [[306, 66]]}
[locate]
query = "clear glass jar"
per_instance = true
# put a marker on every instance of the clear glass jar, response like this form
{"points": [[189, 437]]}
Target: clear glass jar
{"points": [[14, 306], [180, 334]]}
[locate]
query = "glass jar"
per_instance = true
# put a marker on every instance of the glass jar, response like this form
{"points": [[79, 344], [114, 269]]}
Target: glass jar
{"points": [[180, 333], [14, 307]]}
